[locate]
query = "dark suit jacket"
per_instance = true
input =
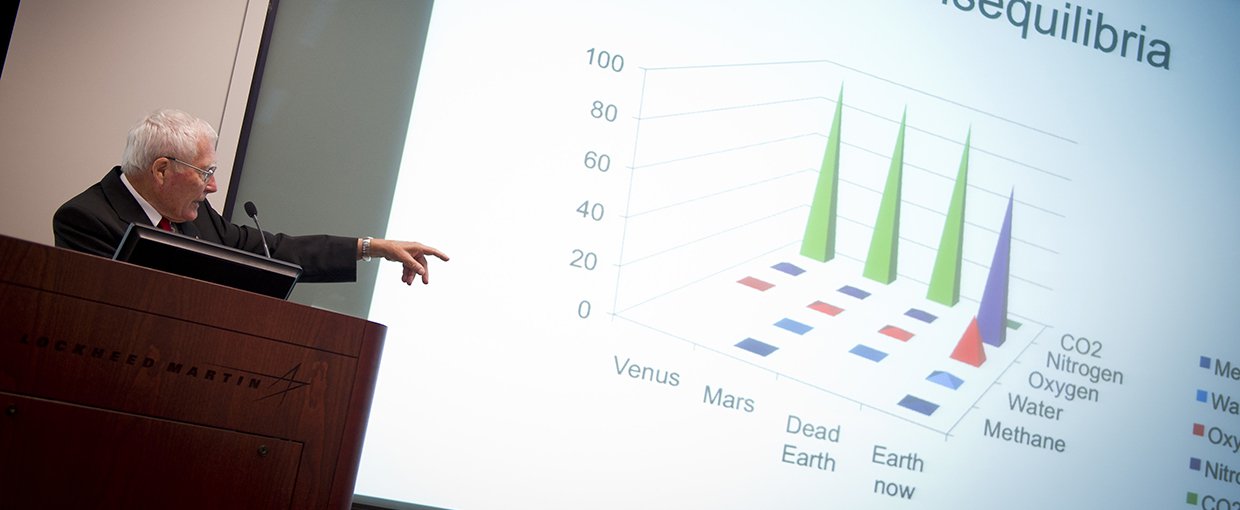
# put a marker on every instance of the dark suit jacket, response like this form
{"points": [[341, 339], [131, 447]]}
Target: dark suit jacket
{"points": [[95, 220]]}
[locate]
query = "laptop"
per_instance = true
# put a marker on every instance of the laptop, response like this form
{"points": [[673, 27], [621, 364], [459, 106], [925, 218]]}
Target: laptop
{"points": [[150, 247]]}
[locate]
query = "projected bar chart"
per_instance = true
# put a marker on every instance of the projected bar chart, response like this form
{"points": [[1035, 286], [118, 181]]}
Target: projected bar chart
{"points": [[853, 326], [881, 266]]}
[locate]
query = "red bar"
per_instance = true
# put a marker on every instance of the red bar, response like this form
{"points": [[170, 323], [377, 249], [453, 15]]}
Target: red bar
{"points": [[750, 281], [970, 350], [896, 333], [826, 308]]}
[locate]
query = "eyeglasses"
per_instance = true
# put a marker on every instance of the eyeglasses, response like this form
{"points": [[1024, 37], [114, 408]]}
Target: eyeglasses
{"points": [[205, 174]]}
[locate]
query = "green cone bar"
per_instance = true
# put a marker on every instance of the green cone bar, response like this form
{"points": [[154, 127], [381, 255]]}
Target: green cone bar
{"points": [[880, 264], [945, 280], [820, 229]]}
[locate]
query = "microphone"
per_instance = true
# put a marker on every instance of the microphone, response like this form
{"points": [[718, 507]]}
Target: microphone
{"points": [[253, 212]]}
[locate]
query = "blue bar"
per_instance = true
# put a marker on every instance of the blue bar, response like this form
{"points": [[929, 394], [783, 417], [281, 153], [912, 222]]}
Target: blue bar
{"points": [[757, 347], [945, 379], [919, 405], [920, 315], [794, 326], [869, 353], [854, 292], [788, 268]]}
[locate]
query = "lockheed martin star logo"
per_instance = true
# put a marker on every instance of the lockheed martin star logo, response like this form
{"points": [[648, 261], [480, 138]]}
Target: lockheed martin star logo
{"points": [[280, 385]]}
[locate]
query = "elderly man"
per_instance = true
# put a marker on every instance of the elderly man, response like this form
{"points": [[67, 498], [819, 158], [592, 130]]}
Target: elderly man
{"points": [[167, 171]]}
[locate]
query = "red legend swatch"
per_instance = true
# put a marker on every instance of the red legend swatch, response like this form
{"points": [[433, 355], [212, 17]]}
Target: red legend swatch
{"points": [[750, 281], [825, 308], [896, 333]]}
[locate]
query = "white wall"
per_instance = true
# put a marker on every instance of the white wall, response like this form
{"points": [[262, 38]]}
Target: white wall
{"points": [[79, 74]]}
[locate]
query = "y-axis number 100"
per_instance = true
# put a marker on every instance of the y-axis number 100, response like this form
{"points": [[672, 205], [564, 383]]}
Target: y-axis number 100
{"points": [[605, 60]]}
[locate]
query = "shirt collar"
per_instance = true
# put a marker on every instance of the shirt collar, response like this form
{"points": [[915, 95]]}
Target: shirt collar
{"points": [[149, 209]]}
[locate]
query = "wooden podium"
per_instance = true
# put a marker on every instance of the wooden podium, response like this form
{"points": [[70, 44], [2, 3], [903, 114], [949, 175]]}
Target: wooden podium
{"points": [[123, 387]]}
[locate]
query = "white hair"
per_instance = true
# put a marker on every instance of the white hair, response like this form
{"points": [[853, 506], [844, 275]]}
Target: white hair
{"points": [[165, 133]]}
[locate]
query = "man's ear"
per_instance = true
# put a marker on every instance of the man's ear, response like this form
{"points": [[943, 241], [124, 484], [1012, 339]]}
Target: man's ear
{"points": [[159, 170]]}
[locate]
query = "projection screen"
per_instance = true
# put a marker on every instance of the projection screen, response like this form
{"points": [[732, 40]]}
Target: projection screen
{"points": [[834, 254]]}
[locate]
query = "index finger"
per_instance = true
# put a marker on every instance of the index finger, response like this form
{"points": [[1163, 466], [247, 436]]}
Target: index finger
{"points": [[429, 250]]}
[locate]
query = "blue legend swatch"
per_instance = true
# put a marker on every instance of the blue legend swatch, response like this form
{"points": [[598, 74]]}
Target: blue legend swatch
{"points": [[869, 353], [945, 379], [854, 292], [1205, 362], [920, 315], [794, 326], [1203, 396], [757, 347], [922, 406], [788, 268]]}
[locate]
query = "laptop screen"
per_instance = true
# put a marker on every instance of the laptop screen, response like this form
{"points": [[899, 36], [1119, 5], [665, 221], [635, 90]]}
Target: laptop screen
{"points": [[153, 248]]}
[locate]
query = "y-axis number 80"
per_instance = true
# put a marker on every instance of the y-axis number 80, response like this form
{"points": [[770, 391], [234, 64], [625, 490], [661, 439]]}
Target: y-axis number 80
{"points": [[604, 111]]}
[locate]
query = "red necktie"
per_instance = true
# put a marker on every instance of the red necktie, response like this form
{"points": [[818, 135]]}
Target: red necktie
{"points": [[164, 224]]}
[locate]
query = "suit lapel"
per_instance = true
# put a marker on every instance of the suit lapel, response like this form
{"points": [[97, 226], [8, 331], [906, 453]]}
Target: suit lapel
{"points": [[122, 201], [189, 228]]}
